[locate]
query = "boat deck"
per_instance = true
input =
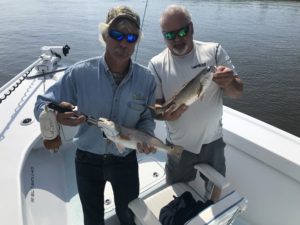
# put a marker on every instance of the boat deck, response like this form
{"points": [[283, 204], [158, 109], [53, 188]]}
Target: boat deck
{"points": [[50, 177], [263, 164]]}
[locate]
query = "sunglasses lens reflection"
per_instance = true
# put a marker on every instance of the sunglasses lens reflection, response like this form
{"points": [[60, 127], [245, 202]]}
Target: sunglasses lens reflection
{"points": [[131, 38], [116, 35], [119, 36], [170, 35], [180, 33]]}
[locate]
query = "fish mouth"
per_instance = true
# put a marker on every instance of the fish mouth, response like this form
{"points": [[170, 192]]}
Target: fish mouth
{"points": [[212, 69], [103, 122], [110, 129]]}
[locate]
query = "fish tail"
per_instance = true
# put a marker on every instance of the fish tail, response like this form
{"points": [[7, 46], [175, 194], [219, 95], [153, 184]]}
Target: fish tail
{"points": [[176, 150], [155, 109]]}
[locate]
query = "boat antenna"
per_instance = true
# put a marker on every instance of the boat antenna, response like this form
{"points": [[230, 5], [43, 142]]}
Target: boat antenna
{"points": [[137, 47]]}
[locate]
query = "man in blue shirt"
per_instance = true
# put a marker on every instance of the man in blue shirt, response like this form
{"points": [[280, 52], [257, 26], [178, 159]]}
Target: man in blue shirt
{"points": [[114, 87]]}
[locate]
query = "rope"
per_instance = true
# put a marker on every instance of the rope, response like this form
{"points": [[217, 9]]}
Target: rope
{"points": [[17, 84], [26, 77], [137, 47]]}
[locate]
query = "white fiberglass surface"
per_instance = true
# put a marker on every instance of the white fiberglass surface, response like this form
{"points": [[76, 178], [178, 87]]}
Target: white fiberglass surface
{"points": [[44, 188], [50, 191], [240, 222]]}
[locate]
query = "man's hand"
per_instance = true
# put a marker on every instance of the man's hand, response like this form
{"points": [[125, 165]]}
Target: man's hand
{"points": [[69, 118], [223, 76], [231, 84], [171, 114], [53, 144], [144, 148]]}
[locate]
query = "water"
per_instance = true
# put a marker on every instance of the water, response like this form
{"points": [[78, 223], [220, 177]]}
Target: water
{"points": [[262, 38]]}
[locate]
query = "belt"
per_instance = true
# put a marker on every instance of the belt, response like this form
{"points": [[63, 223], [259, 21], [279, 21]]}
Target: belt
{"points": [[85, 154]]}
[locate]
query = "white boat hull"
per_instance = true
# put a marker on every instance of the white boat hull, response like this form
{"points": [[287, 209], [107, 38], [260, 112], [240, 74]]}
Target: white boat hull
{"points": [[39, 188]]}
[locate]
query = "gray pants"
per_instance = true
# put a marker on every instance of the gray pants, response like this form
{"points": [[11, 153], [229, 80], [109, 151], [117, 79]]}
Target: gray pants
{"points": [[182, 169]]}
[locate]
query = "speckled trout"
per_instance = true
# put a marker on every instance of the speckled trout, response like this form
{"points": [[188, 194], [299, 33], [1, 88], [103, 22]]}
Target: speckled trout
{"points": [[190, 92], [125, 137]]}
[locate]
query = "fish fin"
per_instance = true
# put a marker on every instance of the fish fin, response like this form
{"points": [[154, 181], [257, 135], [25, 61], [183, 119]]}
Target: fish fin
{"points": [[200, 90], [120, 147], [124, 137], [183, 86], [155, 109], [157, 106], [200, 93]]}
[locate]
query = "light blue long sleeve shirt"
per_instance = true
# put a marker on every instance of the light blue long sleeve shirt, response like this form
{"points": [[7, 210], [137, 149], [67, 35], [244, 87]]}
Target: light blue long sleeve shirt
{"points": [[90, 86]]}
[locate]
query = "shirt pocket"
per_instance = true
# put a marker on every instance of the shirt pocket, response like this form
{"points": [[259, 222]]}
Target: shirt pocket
{"points": [[136, 105], [134, 110]]}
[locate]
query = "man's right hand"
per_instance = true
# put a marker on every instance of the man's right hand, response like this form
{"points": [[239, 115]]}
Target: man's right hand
{"points": [[69, 118], [171, 114], [53, 144]]}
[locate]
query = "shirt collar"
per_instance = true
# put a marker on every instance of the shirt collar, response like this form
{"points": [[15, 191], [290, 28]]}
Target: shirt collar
{"points": [[106, 68]]}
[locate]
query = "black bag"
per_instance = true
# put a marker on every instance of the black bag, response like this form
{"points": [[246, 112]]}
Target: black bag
{"points": [[181, 209]]}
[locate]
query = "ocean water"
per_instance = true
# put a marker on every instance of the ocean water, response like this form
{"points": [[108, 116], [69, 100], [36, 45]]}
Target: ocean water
{"points": [[261, 37]]}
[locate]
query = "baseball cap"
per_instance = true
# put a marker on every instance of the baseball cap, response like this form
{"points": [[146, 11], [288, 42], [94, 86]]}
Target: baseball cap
{"points": [[122, 12]]}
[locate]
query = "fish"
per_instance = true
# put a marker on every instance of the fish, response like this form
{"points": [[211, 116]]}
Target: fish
{"points": [[189, 93], [125, 137]]}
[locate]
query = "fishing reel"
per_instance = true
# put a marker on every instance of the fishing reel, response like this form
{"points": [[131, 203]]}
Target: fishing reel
{"points": [[51, 55]]}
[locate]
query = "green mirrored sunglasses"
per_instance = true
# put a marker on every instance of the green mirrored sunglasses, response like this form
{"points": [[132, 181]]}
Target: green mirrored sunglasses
{"points": [[182, 32]]}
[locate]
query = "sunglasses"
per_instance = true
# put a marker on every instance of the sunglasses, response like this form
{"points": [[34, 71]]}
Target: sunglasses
{"points": [[182, 32], [119, 36]]}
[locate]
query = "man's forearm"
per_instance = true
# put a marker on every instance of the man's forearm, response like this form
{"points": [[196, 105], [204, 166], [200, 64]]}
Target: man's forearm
{"points": [[235, 88]]}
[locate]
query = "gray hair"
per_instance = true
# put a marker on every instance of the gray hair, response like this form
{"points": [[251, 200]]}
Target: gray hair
{"points": [[175, 10], [122, 24]]}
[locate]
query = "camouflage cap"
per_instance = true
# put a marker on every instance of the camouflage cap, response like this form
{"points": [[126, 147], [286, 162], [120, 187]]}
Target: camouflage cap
{"points": [[123, 12]]}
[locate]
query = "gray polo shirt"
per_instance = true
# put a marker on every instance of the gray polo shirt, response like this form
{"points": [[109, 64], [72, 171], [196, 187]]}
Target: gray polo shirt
{"points": [[202, 122]]}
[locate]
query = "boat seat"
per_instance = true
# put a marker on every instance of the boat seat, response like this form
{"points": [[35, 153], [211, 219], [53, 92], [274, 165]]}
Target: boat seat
{"points": [[223, 211]]}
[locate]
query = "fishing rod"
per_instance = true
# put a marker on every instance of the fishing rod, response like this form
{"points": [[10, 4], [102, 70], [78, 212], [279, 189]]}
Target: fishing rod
{"points": [[45, 74], [137, 47]]}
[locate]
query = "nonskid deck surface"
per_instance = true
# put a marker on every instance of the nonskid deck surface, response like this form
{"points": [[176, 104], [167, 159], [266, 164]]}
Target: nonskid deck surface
{"points": [[50, 192]]}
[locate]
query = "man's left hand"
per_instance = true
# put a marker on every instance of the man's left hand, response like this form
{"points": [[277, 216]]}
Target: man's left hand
{"points": [[144, 148], [223, 76]]}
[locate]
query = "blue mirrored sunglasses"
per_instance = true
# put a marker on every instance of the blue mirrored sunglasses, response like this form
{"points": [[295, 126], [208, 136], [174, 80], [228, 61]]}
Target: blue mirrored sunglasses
{"points": [[119, 36], [182, 32]]}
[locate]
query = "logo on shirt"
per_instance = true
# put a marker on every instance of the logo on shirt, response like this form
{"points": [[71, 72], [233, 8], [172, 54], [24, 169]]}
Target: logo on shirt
{"points": [[137, 96], [199, 65]]}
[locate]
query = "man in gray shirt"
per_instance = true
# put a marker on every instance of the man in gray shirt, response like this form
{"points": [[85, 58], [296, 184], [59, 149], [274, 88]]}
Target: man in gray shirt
{"points": [[198, 128]]}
